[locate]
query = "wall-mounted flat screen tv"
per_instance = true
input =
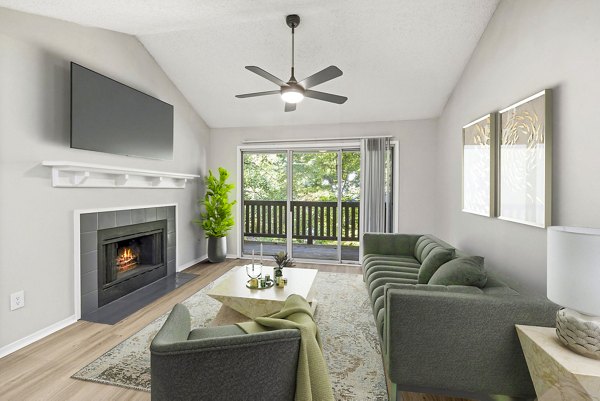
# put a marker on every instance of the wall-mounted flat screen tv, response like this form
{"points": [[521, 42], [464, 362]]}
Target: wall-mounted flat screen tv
{"points": [[108, 116]]}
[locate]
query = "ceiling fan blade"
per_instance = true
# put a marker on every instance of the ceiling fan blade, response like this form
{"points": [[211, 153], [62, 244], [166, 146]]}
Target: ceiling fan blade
{"points": [[266, 75], [328, 97], [258, 94], [322, 76], [290, 107]]}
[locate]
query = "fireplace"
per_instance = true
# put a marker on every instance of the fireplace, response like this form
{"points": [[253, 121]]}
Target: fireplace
{"points": [[129, 258]]}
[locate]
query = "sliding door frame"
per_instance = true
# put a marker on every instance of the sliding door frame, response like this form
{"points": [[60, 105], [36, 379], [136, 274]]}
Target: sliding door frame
{"points": [[281, 147]]}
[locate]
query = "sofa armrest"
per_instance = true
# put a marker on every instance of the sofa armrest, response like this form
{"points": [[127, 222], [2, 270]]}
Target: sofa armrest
{"points": [[257, 341], [447, 340], [389, 244], [176, 328]]}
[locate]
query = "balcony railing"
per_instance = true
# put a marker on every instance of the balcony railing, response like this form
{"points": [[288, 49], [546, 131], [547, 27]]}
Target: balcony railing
{"points": [[310, 220]]}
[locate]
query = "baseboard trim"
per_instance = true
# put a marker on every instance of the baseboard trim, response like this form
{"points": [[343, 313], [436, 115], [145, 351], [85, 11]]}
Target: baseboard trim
{"points": [[38, 335], [191, 263], [200, 259]]}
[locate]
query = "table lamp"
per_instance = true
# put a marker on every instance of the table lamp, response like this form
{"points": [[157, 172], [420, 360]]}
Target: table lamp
{"points": [[574, 283]]}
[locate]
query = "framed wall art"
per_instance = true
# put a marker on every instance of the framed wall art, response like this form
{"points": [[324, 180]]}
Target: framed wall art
{"points": [[479, 160], [525, 158]]}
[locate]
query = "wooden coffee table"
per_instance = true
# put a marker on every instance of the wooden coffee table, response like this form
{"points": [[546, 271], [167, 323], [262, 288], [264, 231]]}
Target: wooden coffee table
{"points": [[232, 292]]}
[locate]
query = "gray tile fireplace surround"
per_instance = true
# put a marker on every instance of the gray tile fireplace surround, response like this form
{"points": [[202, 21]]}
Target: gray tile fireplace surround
{"points": [[90, 223]]}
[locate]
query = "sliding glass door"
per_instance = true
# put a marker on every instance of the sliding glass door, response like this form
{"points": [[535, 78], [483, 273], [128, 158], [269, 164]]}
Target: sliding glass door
{"points": [[315, 217], [265, 205], [315, 205], [350, 205]]}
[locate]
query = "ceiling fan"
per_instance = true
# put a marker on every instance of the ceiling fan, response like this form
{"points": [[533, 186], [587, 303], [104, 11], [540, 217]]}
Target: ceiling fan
{"points": [[292, 91]]}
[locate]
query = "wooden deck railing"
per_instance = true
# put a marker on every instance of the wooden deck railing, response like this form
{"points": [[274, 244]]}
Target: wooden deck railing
{"points": [[311, 220]]}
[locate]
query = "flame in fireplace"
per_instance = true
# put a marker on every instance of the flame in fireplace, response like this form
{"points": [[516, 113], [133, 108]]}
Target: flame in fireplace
{"points": [[127, 259]]}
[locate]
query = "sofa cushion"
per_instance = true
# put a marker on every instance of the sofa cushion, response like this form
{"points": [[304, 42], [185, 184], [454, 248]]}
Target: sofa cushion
{"points": [[461, 271], [217, 331], [380, 322], [457, 289], [377, 292], [378, 305], [432, 262], [392, 266], [422, 242], [380, 282], [369, 261], [398, 272], [426, 244], [374, 256]]}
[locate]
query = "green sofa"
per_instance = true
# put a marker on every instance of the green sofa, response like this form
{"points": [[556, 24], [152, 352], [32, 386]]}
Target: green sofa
{"points": [[447, 339]]}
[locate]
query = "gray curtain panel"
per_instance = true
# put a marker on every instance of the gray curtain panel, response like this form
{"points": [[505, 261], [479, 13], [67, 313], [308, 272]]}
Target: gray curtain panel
{"points": [[376, 194]]}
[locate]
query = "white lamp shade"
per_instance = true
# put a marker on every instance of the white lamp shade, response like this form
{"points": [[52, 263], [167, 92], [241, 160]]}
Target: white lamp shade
{"points": [[574, 268]]}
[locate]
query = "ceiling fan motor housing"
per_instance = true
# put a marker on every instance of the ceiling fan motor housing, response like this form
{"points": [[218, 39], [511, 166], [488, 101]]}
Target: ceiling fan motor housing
{"points": [[292, 20]]}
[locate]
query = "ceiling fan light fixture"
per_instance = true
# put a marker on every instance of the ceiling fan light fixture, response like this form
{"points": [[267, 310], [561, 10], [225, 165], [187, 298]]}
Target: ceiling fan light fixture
{"points": [[292, 94]]}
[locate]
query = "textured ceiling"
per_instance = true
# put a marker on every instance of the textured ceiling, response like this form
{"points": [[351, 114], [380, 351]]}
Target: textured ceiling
{"points": [[401, 58]]}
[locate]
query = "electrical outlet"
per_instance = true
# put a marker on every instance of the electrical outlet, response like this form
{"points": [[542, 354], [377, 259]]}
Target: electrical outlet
{"points": [[17, 300]]}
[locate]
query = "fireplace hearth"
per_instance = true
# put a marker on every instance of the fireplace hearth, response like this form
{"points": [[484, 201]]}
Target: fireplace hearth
{"points": [[129, 258]]}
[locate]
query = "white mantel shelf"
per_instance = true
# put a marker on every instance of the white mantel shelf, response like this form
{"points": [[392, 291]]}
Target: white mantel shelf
{"points": [[86, 175]]}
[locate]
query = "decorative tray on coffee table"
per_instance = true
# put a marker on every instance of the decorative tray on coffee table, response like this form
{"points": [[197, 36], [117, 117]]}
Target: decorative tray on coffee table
{"points": [[268, 284]]}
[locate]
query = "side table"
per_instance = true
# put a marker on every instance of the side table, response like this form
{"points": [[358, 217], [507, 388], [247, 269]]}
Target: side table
{"points": [[557, 372]]}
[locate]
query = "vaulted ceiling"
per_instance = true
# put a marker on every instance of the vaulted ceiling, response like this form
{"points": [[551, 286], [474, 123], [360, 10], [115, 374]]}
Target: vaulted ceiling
{"points": [[401, 58]]}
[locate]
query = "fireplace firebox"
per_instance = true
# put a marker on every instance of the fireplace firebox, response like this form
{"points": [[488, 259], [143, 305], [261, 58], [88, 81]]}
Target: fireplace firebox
{"points": [[129, 258]]}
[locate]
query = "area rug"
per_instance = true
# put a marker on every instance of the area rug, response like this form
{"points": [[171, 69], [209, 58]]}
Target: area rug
{"points": [[344, 317]]}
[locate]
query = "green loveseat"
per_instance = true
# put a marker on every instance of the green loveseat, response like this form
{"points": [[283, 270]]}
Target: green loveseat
{"points": [[447, 339]]}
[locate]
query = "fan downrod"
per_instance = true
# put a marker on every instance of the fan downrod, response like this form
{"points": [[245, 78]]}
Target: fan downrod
{"points": [[292, 20]]}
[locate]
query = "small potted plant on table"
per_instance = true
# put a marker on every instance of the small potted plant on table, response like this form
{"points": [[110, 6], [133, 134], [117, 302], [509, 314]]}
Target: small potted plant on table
{"points": [[282, 260]]}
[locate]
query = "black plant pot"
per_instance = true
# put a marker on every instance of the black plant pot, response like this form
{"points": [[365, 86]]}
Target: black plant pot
{"points": [[217, 249]]}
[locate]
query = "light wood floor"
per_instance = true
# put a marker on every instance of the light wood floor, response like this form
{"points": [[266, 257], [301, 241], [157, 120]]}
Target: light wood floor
{"points": [[42, 371]]}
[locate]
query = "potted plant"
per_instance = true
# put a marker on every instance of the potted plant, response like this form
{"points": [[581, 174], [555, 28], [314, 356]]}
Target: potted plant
{"points": [[282, 260], [217, 218]]}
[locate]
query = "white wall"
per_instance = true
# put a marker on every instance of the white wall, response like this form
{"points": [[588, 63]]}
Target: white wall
{"points": [[36, 220], [417, 143], [528, 46]]}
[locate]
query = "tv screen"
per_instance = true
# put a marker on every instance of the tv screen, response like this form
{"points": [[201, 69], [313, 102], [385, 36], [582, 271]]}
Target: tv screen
{"points": [[108, 116]]}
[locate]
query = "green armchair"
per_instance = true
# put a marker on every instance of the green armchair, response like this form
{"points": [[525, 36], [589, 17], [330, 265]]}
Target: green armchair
{"points": [[221, 363]]}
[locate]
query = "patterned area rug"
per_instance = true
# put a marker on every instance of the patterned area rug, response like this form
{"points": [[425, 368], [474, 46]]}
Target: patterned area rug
{"points": [[344, 317]]}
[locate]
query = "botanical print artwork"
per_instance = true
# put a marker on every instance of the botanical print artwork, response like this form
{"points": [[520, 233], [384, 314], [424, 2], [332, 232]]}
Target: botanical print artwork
{"points": [[477, 163], [523, 162]]}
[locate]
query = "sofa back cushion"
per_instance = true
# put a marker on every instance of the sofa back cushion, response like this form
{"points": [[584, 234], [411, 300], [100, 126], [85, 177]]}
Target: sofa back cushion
{"points": [[461, 271], [437, 257], [426, 244]]}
